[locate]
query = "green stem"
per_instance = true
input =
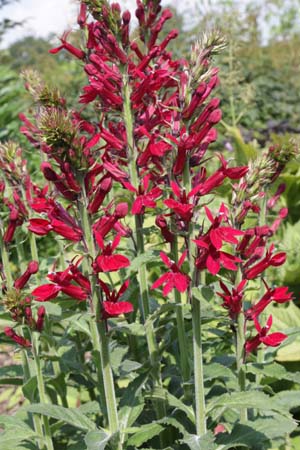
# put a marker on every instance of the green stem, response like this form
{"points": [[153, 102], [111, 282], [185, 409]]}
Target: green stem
{"points": [[262, 220], [240, 356], [198, 368], [200, 407], [41, 389], [182, 340], [98, 332], [132, 155], [36, 419]]}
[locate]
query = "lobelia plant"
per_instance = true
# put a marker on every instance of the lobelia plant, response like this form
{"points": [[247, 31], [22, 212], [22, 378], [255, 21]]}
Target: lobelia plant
{"points": [[156, 291]]}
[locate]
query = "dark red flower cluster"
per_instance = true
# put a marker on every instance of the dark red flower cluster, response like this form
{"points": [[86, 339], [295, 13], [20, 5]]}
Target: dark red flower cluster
{"points": [[19, 306]]}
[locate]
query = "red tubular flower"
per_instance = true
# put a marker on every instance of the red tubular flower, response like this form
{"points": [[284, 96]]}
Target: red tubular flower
{"points": [[101, 191], [62, 282], [174, 279], [40, 319], [145, 198], [233, 300], [161, 222], [209, 245], [15, 337], [272, 340], [112, 306], [181, 207], [267, 261], [107, 261], [14, 221], [69, 47], [32, 268], [278, 295]]}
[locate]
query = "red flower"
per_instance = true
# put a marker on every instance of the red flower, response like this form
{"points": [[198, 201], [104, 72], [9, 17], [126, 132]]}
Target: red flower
{"points": [[107, 261], [145, 199], [181, 207], [69, 47], [62, 282], [15, 337], [209, 245], [41, 317], [32, 268], [112, 306], [278, 295], [267, 261], [233, 300], [174, 279], [42, 227], [272, 340]]}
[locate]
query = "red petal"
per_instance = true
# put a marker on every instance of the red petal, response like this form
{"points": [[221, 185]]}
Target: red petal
{"points": [[74, 292], [112, 263], [213, 266], [46, 292], [273, 339], [115, 309], [181, 282]]}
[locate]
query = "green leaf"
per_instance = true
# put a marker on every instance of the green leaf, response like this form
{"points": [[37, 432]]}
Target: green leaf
{"points": [[165, 307], [11, 375], [129, 366], [163, 394], [71, 416], [97, 439], [206, 442], [273, 370], [132, 403], [242, 436], [134, 329], [15, 433], [92, 407], [30, 388], [287, 318], [216, 370], [288, 399], [80, 322], [140, 260], [249, 399], [145, 433]]}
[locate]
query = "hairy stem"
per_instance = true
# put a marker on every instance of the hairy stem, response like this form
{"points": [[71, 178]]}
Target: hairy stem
{"points": [[200, 407], [41, 389], [98, 332]]}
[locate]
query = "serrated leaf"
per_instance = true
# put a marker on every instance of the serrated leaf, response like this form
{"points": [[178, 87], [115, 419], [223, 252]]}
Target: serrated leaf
{"points": [[71, 416], [249, 399], [80, 323], [194, 442], [216, 370], [273, 370], [15, 433], [241, 436], [145, 433], [97, 439], [288, 399]]}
